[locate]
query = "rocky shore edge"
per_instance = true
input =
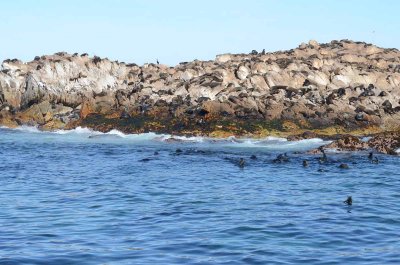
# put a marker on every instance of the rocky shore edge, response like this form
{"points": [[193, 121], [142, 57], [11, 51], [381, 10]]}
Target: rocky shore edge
{"points": [[342, 90]]}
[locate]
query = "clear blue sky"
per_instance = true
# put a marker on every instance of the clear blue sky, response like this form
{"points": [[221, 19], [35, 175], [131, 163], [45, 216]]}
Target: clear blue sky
{"points": [[175, 31]]}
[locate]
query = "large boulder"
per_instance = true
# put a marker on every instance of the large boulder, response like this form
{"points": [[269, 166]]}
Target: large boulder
{"points": [[242, 72]]}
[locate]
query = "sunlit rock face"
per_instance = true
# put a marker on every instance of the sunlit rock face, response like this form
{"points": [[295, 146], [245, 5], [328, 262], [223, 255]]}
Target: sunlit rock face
{"points": [[344, 83]]}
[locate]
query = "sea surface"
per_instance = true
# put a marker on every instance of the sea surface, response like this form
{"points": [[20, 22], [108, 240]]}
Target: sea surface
{"points": [[83, 197]]}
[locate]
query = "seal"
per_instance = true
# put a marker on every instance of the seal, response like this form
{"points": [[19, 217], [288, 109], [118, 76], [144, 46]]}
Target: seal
{"points": [[324, 158], [241, 163], [375, 160], [305, 163], [349, 200], [178, 151], [281, 158]]}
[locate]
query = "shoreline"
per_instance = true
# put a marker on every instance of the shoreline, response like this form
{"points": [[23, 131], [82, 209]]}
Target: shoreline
{"points": [[383, 142], [339, 90]]}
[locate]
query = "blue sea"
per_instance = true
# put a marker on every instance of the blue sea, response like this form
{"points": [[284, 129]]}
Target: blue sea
{"points": [[84, 197]]}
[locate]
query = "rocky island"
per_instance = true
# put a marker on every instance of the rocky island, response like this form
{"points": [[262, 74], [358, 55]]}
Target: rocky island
{"points": [[340, 90]]}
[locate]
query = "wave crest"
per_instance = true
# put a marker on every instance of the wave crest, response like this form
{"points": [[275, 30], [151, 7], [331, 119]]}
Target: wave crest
{"points": [[270, 142]]}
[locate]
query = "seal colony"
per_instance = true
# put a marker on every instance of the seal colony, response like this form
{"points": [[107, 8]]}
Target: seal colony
{"points": [[340, 90]]}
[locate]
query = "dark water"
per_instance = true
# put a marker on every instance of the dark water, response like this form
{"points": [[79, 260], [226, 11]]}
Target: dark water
{"points": [[70, 199]]}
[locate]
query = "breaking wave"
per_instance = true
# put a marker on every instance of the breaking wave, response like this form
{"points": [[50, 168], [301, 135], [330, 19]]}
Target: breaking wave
{"points": [[85, 134]]}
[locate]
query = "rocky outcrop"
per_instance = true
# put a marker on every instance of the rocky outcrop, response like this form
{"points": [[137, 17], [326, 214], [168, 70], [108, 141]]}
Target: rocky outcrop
{"points": [[348, 143], [385, 143], [337, 87]]}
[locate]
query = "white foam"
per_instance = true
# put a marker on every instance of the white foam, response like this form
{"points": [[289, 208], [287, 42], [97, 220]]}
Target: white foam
{"points": [[117, 133], [25, 128], [142, 136], [113, 133], [197, 139], [77, 130], [232, 141], [272, 143]]}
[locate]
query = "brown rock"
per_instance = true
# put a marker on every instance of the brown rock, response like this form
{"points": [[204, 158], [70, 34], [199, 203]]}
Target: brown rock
{"points": [[86, 109], [305, 135], [215, 107], [348, 143], [347, 84], [386, 143]]}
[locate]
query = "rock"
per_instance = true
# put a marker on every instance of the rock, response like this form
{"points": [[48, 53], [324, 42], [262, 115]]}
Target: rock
{"points": [[242, 72], [86, 109], [32, 93], [313, 44], [305, 135], [48, 117], [39, 113], [215, 107], [53, 125], [386, 143], [188, 74], [347, 143], [335, 87], [303, 46], [223, 58], [258, 82]]}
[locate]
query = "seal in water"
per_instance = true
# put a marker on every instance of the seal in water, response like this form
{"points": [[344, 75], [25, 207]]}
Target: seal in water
{"points": [[281, 158], [373, 159], [241, 163], [324, 158], [344, 166], [178, 151], [305, 163], [253, 157], [349, 201]]}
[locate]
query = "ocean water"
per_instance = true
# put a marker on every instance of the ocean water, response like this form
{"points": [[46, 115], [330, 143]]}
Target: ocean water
{"points": [[83, 197]]}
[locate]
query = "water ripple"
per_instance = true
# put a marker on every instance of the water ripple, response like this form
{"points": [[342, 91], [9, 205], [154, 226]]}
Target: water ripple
{"points": [[68, 200]]}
